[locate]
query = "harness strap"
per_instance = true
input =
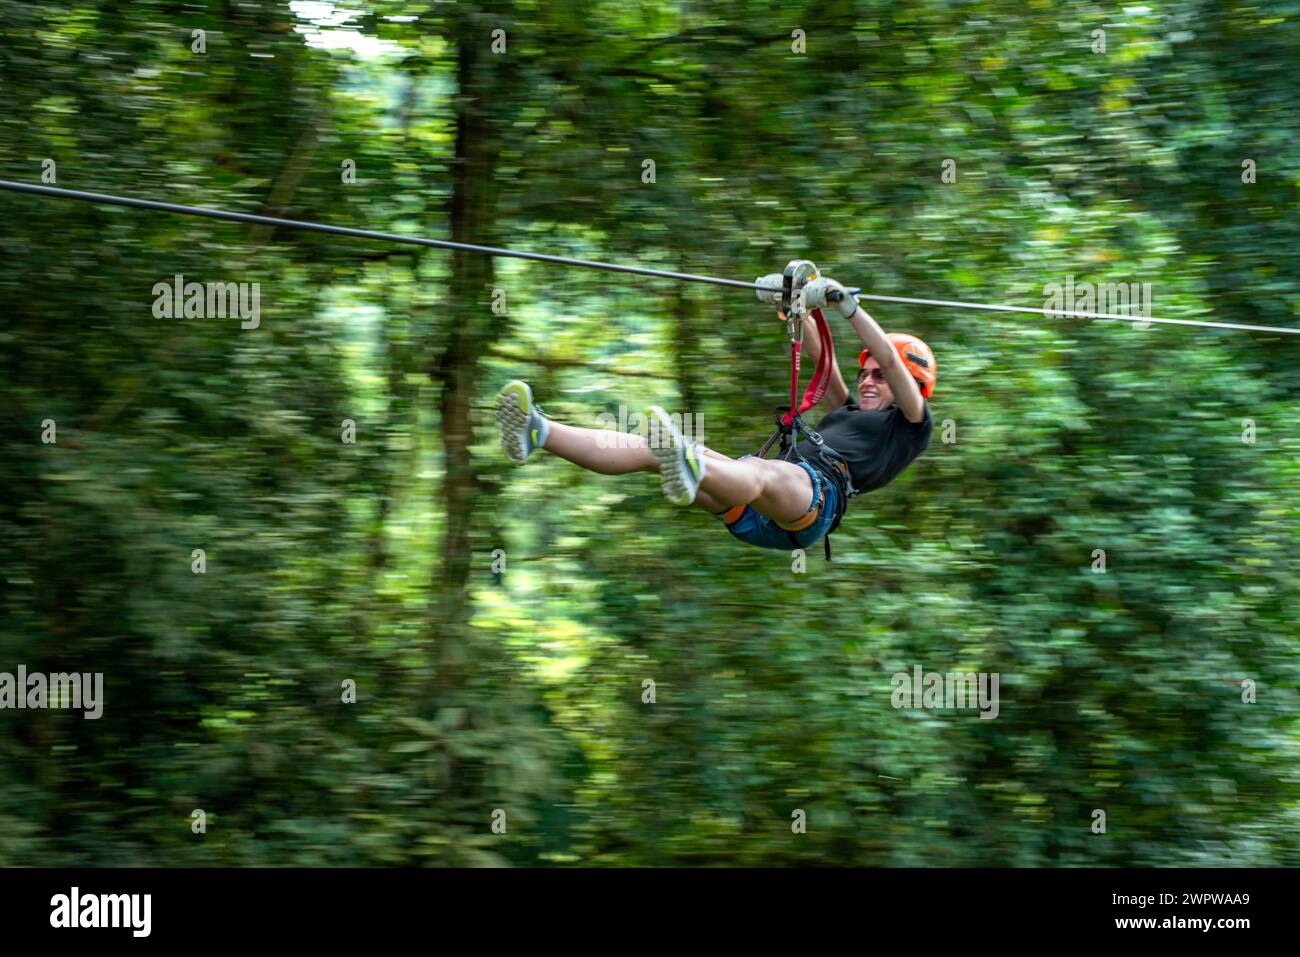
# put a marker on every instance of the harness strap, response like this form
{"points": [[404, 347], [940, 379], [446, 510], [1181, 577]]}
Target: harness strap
{"points": [[821, 376], [790, 421]]}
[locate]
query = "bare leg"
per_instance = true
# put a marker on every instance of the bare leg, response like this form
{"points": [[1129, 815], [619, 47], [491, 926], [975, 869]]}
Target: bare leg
{"points": [[601, 450], [710, 504], [780, 490], [702, 498]]}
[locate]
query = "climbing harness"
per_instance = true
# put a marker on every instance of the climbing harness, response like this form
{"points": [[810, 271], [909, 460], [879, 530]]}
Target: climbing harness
{"points": [[108, 199], [789, 419]]}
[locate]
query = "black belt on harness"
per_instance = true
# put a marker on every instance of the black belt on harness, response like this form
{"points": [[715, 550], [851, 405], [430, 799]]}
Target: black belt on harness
{"points": [[829, 463]]}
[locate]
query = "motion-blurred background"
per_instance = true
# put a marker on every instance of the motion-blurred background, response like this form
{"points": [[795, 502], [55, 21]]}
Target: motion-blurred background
{"points": [[1171, 450]]}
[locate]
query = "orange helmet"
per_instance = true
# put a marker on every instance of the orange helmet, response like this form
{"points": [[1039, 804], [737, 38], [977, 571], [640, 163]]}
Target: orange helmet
{"points": [[916, 355]]}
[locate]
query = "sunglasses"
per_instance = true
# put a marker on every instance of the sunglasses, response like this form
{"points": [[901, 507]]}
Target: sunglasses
{"points": [[875, 375]]}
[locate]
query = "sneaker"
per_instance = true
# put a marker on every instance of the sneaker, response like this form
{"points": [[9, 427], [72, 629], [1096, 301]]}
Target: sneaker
{"points": [[681, 466], [523, 426]]}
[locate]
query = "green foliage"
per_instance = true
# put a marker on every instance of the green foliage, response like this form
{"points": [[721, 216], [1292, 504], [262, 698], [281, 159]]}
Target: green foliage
{"points": [[523, 691]]}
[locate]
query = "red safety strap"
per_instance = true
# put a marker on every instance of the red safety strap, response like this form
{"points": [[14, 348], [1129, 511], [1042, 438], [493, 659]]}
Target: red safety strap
{"points": [[821, 377]]}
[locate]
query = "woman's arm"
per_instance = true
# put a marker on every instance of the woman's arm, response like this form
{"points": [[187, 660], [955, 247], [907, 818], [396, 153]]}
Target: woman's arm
{"points": [[836, 389], [906, 394]]}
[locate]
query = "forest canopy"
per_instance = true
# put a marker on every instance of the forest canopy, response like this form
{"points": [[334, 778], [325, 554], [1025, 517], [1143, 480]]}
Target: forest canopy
{"points": [[1106, 517]]}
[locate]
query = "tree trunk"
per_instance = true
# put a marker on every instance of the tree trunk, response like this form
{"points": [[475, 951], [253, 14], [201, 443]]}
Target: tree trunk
{"points": [[470, 330]]}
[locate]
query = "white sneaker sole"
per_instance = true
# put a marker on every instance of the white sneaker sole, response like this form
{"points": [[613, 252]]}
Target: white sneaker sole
{"points": [[680, 483], [512, 420]]}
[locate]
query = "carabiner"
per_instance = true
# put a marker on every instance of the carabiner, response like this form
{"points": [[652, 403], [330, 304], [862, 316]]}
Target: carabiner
{"points": [[797, 274]]}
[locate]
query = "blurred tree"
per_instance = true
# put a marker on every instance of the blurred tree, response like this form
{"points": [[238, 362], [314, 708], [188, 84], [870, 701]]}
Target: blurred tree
{"points": [[525, 690]]}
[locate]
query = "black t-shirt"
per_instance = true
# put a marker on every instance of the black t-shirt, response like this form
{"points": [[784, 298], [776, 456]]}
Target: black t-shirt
{"points": [[877, 445]]}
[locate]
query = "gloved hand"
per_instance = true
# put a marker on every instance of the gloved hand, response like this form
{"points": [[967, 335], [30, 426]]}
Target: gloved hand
{"points": [[830, 296], [771, 293], [821, 293]]}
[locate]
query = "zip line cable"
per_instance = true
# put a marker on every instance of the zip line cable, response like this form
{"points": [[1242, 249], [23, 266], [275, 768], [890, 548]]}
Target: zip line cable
{"points": [[359, 233], [161, 207]]}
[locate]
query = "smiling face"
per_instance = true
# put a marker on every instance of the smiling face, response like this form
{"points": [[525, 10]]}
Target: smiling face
{"points": [[874, 393]]}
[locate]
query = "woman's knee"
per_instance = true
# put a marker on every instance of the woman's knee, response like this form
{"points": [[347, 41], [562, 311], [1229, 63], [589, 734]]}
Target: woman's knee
{"points": [[758, 473], [787, 493]]}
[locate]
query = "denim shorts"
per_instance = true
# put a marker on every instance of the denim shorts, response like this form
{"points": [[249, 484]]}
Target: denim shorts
{"points": [[760, 530]]}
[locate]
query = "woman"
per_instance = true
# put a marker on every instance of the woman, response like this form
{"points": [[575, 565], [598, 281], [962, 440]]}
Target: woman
{"points": [[869, 438]]}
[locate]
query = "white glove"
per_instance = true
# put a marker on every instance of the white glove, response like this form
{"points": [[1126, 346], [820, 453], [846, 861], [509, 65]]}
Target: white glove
{"points": [[828, 295], [821, 293], [771, 292]]}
